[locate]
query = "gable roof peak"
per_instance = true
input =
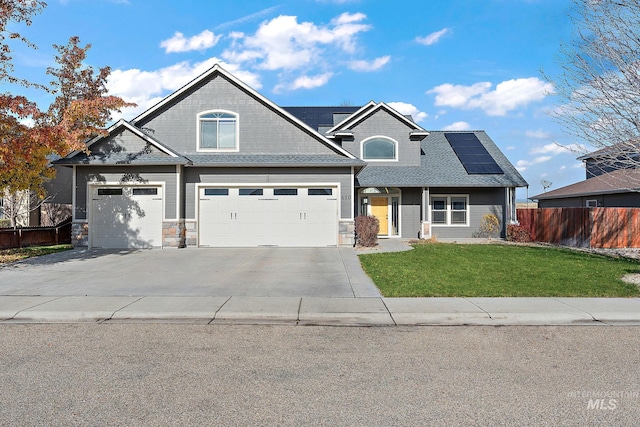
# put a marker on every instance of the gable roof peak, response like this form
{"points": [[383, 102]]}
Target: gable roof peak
{"points": [[370, 108]]}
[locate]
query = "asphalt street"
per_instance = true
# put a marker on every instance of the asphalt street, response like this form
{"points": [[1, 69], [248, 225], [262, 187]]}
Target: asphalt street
{"points": [[179, 374]]}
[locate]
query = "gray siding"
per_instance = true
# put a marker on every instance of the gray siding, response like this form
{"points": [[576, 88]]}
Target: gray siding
{"points": [[382, 123], [124, 142], [267, 175], [126, 175], [482, 201], [59, 188], [621, 200], [262, 130], [411, 203]]}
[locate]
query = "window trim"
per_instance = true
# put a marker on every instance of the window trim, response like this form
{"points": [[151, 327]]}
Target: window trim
{"points": [[369, 139], [199, 148], [449, 210]]}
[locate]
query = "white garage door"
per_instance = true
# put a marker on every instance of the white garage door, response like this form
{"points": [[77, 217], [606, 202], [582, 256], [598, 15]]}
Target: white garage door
{"points": [[126, 217], [263, 216]]}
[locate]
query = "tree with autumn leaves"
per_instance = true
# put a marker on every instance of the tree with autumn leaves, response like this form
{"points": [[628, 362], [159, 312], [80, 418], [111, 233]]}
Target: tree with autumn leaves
{"points": [[31, 136]]}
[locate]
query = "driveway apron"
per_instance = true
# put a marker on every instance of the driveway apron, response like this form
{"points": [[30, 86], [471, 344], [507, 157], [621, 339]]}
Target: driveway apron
{"points": [[259, 272]]}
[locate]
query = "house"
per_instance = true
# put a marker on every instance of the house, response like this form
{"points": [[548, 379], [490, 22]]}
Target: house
{"points": [[218, 164], [612, 180]]}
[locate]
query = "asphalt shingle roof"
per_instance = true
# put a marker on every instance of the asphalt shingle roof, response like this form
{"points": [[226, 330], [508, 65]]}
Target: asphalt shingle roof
{"points": [[271, 160], [111, 159], [620, 181], [317, 117], [440, 167]]}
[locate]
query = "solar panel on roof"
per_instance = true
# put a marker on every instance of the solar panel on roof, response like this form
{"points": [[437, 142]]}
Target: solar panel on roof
{"points": [[472, 154]]}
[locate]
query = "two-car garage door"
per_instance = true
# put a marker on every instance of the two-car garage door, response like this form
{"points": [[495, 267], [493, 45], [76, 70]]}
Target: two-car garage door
{"points": [[268, 216]]}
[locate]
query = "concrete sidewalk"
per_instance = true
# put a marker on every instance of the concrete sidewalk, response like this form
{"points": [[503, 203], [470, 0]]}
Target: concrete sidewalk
{"points": [[322, 311]]}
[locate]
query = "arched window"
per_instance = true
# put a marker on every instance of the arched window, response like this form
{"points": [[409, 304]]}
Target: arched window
{"points": [[217, 130], [379, 148]]}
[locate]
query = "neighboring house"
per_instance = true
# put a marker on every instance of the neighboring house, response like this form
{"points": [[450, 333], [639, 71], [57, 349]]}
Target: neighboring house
{"points": [[15, 209], [217, 164], [612, 180]]}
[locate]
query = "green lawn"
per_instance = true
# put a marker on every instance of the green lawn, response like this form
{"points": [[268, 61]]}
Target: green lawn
{"points": [[495, 270], [11, 255]]}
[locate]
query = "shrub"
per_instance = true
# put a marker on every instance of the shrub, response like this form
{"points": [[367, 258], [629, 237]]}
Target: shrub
{"points": [[5, 223], [517, 233], [489, 226], [367, 228]]}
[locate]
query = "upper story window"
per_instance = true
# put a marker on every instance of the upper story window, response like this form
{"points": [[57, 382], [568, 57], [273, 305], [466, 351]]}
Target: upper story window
{"points": [[217, 131], [379, 148]]}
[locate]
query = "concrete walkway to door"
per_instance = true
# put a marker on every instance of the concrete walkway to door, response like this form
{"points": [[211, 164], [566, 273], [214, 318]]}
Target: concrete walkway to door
{"points": [[254, 272]]}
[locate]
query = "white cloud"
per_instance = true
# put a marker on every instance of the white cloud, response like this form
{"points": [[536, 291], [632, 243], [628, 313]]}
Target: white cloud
{"points": [[522, 165], [538, 134], [366, 66], [507, 96], [180, 43], [305, 82], [28, 122], [457, 126], [433, 38], [285, 44], [549, 148], [146, 88], [555, 149], [408, 109], [247, 18]]}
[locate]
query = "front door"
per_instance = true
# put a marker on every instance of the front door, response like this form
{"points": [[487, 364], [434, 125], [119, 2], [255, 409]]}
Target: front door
{"points": [[380, 209]]}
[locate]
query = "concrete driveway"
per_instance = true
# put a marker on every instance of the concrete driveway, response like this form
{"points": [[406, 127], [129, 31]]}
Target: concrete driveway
{"points": [[260, 272]]}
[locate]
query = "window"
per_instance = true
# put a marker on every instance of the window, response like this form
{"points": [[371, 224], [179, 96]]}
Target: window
{"points": [[379, 148], [250, 191], [109, 191], [218, 131], [320, 191], [216, 191], [450, 210], [592, 203], [285, 191], [145, 191]]}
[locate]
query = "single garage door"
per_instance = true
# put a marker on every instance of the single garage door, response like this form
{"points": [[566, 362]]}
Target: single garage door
{"points": [[126, 217], [268, 216]]}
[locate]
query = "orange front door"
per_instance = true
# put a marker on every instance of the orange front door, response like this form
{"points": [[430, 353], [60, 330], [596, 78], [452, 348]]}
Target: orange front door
{"points": [[379, 209]]}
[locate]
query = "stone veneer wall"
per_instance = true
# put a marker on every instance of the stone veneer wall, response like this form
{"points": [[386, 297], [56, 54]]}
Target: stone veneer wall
{"points": [[346, 233], [177, 234], [171, 234], [80, 234], [191, 233]]}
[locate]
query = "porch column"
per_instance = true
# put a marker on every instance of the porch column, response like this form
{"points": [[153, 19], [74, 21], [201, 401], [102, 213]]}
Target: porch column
{"points": [[425, 226]]}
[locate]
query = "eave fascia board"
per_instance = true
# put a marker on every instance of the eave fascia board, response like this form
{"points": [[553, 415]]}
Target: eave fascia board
{"points": [[370, 108], [123, 123], [150, 140], [97, 138], [348, 120], [403, 118]]}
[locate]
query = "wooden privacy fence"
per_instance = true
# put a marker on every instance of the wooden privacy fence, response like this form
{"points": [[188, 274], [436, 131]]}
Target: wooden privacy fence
{"points": [[583, 227], [35, 236]]}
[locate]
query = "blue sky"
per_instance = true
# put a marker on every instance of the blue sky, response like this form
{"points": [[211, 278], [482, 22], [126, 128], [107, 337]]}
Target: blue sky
{"points": [[455, 64]]}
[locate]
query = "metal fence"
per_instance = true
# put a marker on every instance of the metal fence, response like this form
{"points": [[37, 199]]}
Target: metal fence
{"points": [[583, 227], [35, 236]]}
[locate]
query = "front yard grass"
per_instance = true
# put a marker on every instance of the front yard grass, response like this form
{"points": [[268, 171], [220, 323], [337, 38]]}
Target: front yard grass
{"points": [[11, 255], [496, 270]]}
